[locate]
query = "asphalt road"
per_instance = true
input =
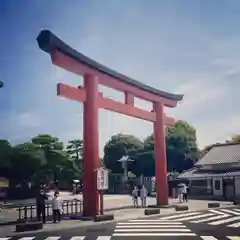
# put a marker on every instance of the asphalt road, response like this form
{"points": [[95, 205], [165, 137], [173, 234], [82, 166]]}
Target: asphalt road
{"points": [[138, 229]]}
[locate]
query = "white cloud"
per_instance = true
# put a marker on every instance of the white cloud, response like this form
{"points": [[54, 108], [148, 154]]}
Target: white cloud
{"points": [[28, 120], [218, 130], [197, 94]]}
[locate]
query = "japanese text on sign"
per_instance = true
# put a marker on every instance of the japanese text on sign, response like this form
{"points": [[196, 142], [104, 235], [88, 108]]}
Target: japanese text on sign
{"points": [[102, 179]]}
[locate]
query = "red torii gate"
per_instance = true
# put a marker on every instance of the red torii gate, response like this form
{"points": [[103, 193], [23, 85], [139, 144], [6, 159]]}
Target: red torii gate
{"points": [[94, 74]]}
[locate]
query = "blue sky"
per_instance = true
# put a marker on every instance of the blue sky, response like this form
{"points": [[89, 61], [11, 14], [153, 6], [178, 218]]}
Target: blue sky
{"points": [[181, 46]]}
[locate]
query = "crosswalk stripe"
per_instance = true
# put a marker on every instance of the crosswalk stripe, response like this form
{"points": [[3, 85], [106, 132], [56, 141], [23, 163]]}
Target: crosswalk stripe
{"points": [[26, 238], [197, 216], [180, 215], [147, 223], [150, 226], [211, 219], [103, 237], [225, 221], [235, 225], [148, 220], [4, 238], [216, 211], [155, 221], [208, 238], [52, 238], [151, 234], [236, 209], [152, 230], [231, 212], [77, 238], [233, 237]]}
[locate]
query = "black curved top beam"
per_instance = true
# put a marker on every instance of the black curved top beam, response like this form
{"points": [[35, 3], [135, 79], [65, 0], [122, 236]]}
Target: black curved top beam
{"points": [[48, 42]]}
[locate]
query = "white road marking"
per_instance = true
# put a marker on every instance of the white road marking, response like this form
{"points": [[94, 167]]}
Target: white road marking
{"points": [[148, 220], [77, 238], [233, 237], [4, 238], [103, 237], [154, 222], [147, 223], [52, 238], [198, 216], [151, 226], [211, 219], [208, 238], [26, 238], [231, 212], [235, 225], [180, 215], [151, 234], [225, 221], [216, 211], [152, 230]]}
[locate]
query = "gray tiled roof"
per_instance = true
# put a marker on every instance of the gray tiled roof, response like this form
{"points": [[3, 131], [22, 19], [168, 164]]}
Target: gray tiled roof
{"points": [[194, 173], [222, 153]]}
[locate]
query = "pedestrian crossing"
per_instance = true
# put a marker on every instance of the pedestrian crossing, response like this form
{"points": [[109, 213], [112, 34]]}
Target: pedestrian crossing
{"points": [[226, 217], [59, 238], [147, 228], [112, 237]]}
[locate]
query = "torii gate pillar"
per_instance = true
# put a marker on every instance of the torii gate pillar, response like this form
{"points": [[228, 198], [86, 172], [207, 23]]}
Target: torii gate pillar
{"points": [[160, 160], [90, 146]]}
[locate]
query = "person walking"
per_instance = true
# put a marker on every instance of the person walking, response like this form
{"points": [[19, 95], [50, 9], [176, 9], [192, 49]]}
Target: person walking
{"points": [[56, 207], [180, 193], [40, 204], [143, 196], [135, 196], [185, 193]]}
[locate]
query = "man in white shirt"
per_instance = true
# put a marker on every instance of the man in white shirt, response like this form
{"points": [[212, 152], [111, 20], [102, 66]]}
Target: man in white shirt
{"points": [[56, 207]]}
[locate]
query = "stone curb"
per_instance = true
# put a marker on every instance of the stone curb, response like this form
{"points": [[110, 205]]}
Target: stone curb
{"points": [[151, 211], [213, 205]]}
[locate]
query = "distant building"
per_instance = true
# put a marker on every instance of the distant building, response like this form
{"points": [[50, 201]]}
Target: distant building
{"points": [[217, 173]]}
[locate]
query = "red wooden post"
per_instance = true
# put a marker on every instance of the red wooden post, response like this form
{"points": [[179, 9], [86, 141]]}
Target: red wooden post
{"points": [[91, 148], [160, 156]]}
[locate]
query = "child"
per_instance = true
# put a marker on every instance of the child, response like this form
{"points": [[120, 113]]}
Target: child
{"points": [[56, 207]]}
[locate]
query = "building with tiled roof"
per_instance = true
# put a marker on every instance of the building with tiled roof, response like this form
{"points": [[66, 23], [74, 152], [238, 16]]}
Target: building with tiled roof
{"points": [[217, 173]]}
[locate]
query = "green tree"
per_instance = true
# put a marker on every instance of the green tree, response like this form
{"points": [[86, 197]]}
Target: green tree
{"points": [[26, 160], [5, 155], [182, 149], [181, 146], [75, 150], [235, 138], [116, 147], [56, 157]]}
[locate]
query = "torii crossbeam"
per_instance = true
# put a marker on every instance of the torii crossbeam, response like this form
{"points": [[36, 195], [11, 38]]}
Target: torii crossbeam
{"points": [[94, 74]]}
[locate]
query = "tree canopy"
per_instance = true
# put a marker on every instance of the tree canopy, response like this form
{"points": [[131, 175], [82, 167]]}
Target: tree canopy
{"points": [[118, 146], [181, 149], [44, 158]]}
